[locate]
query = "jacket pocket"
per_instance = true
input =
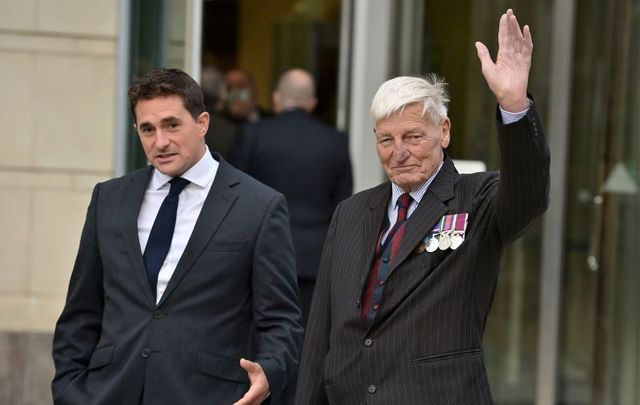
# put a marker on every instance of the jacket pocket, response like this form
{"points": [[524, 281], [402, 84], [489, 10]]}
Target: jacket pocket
{"points": [[226, 246], [222, 367], [447, 356], [330, 391], [101, 357]]}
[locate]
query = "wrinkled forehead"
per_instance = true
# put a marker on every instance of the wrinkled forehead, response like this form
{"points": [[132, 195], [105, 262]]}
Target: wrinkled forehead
{"points": [[408, 115]]}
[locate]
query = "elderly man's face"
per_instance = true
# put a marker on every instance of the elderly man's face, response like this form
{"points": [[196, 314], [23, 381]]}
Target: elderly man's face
{"points": [[410, 146]]}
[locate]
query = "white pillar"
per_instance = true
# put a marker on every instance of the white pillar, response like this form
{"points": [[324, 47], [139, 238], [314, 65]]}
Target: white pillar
{"points": [[369, 69], [122, 85], [193, 39], [553, 225]]}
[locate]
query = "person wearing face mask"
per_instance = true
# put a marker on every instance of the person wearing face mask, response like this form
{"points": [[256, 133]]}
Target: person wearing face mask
{"points": [[241, 98]]}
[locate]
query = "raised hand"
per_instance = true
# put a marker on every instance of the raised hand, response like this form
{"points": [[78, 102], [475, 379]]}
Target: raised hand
{"points": [[508, 76]]}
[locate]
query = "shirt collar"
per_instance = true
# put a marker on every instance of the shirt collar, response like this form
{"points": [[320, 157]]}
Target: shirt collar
{"points": [[201, 174], [416, 194]]}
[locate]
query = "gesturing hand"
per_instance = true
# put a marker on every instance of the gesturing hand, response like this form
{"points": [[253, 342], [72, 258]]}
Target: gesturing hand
{"points": [[259, 389], [508, 76]]}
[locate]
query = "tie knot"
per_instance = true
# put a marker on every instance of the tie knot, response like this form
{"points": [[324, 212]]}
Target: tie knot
{"points": [[404, 201], [403, 206], [177, 185]]}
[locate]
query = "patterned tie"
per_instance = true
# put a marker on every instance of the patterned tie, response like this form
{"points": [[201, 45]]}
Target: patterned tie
{"points": [[385, 252], [162, 232], [397, 232]]}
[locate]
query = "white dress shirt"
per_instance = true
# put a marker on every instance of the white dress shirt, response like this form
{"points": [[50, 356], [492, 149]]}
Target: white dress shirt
{"points": [[190, 204]]}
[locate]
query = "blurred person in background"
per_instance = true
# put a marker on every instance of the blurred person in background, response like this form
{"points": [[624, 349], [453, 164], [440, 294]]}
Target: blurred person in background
{"points": [[222, 130], [305, 160], [241, 99], [184, 287]]}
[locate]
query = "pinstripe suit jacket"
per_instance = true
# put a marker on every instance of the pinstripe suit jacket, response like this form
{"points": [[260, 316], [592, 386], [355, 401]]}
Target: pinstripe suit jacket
{"points": [[425, 344]]}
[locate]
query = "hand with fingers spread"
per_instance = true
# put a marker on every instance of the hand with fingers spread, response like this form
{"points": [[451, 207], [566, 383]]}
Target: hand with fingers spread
{"points": [[259, 389], [508, 76]]}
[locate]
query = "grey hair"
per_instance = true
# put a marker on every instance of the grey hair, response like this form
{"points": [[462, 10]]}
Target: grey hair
{"points": [[397, 93]]}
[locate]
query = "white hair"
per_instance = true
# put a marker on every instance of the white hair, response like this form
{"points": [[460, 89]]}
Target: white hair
{"points": [[397, 93]]}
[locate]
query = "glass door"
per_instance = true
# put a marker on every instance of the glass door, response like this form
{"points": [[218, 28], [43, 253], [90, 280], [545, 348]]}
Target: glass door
{"points": [[158, 31], [600, 339], [264, 38]]}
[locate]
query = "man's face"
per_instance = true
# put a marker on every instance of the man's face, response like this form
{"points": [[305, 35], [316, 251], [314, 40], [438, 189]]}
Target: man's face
{"points": [[240, 94], [410, 146], [172, 140]]}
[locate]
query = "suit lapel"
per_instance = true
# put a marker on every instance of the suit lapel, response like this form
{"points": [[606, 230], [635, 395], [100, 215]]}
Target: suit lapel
{"points": [[221, 197], [431, 208], [134, 195], [371, 228]]}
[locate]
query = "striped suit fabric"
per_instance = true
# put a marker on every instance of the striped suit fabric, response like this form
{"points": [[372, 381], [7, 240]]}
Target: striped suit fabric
{"points": [[425, 343]]}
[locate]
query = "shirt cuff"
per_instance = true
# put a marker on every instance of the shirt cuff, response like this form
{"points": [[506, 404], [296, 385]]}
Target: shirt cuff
{"points": [[511, 117]]}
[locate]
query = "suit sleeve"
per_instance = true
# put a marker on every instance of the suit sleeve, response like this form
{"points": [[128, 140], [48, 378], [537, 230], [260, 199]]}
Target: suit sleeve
{"points": [[523, 191], [78, 328], [317, 335], [276, 304]]}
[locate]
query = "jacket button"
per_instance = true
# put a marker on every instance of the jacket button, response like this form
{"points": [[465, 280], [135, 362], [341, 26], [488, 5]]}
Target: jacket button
{"points": [[385, 259], [157, 314], [372, 389], [368, 342], [146, 353]]}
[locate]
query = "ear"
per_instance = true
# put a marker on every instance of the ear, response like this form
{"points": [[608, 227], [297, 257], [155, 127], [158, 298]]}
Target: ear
{"points": [[311, 104], [276, 101], [445, 127], [203, 123]]}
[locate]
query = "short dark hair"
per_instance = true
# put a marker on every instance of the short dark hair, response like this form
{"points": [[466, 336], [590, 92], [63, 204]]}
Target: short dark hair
{"points": [[165, 82]]}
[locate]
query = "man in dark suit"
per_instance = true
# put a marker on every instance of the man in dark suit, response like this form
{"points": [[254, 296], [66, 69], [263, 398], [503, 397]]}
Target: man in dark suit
{"points": [[303, 159], [207, 313], [409, 267]]}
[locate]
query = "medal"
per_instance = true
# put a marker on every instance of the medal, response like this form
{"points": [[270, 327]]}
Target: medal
{"points": [[445, 242], [432, 245], [421, 248], [460, 227], [456, 241]]}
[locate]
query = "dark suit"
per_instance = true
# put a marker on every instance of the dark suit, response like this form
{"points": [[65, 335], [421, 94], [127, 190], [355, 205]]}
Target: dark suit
{"points": [[309, 163], [220, 134], [425, 343], [234, 285]]}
